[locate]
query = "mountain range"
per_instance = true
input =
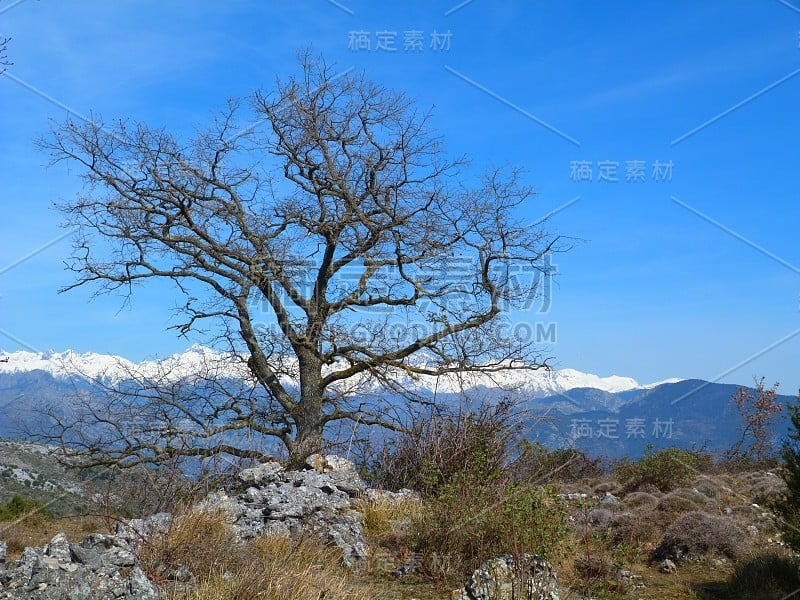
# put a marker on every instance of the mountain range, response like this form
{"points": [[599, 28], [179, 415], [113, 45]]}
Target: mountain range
{"points": [[611, 416]]}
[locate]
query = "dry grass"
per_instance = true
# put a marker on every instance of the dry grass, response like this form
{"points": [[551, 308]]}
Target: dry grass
{"points": [[38, 532], [387, 521], [279, 568], [202, 548]]}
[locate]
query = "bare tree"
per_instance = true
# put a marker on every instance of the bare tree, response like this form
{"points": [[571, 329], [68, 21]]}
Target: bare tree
{"points": [[758, 408], [330, 242]]}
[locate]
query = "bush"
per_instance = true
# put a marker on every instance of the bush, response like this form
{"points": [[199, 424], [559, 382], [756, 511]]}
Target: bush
{"points": [[471, 520], [141, 491], [599, 517], [788, 505], [708, 486], [696, 533], [537, 463], [677, 503], [19, 508], [640, 500], [600, 576], [635, 530], [763, 488], [763, 577], [665, 469], [445, 445]]}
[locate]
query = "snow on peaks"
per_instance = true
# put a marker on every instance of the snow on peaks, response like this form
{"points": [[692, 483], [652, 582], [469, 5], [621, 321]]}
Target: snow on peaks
{"points": [[93, 365], [197, 359], [537, 383], [62, 364]]}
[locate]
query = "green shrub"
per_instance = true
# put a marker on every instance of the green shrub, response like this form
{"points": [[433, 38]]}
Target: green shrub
{"points": [[540, 464], [471, 520], [18, 508], [787, 505], [666, 469]]}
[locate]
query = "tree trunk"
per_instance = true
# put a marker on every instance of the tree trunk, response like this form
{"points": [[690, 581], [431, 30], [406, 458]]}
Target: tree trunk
{"points": [[308, 415]]}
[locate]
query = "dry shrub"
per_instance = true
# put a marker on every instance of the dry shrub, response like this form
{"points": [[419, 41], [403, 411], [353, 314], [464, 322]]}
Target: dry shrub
{"points": [[540, 464], [443, 445], [640, 501], [675, 503], [588, 521], [770, 575], [708, 486], [647, 488], [599, 575], [607, 486], [763, 488], [141, 491], [695, 496], [600, 517], [635, 530], [595, 567], [696, 534], [200, 546]]}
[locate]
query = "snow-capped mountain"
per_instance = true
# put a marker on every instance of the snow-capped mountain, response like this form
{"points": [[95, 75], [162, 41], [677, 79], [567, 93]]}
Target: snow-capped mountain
{"points": [[93, 365], [554, 402]]}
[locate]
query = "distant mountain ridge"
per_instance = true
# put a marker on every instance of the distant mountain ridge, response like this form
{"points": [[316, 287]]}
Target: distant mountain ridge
{"points": [[611, 416], [539, 383]]}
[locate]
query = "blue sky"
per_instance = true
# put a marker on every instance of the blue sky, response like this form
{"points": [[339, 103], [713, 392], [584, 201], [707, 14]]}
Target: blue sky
{"points": [[694, 272]]}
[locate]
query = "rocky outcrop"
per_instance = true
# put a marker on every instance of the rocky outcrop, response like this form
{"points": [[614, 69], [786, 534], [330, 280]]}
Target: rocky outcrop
{"points": [[101, 567], [316, 501], [505, 578]]}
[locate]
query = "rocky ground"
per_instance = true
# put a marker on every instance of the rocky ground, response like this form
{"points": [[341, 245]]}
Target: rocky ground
{"points": [[625, 542]]}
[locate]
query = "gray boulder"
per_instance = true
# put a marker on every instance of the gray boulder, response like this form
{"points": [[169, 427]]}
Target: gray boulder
{"points": [[99, 568], [260, 475], [339, 471], [503, 578], [315, 501]]}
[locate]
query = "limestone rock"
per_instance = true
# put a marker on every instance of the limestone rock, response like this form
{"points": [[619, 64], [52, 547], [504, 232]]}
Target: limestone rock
{"points": [[502, 578], [316, 501], [342, 472], [667, 566], [134, 531], [100, 567], [260, 475]]}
